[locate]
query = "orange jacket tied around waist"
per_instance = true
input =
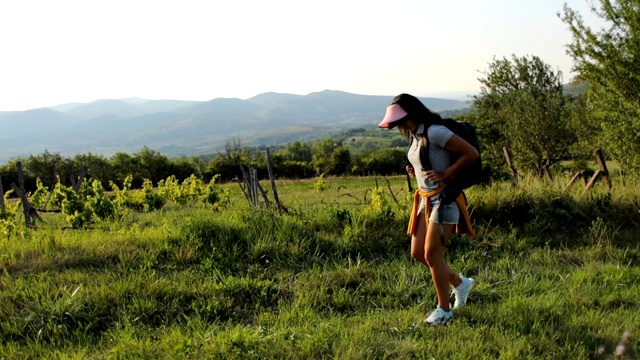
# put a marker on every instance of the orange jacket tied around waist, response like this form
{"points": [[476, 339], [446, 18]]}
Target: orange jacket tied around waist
{"points": [[463, 227]]}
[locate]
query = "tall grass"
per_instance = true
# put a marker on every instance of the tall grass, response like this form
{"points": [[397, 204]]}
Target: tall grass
{"points": [[557, 274]]}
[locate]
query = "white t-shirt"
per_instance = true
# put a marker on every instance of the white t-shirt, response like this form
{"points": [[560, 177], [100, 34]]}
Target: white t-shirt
{"points": [[438, 136]]}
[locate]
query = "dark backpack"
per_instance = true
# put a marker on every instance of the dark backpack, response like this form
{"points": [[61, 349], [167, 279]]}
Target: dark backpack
{"points": [[472, 174]]}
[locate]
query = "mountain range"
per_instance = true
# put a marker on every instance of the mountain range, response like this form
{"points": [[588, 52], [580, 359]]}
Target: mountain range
{"points": [[184, 128]]}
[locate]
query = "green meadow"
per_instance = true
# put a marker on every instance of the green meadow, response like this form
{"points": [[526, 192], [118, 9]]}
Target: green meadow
{"points": [[329, 277]]}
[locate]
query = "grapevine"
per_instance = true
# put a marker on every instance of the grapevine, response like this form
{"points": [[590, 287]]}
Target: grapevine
{"points": [[8, 220], [73, 205], [90, 203], [102, 206], [40, 196], [214, 195]]}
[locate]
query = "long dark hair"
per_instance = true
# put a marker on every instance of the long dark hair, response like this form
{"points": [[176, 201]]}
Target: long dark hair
{"points": [[417, 111]]}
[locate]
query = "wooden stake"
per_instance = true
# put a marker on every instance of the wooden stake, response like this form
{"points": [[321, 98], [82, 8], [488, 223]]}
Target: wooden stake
{"points": [[247, 185], [514, 173], [254, 181], [273, 181], [580, 174], [264, 194], [603, 168], [573, 180], [28, 210], [78, 184], [593, 180], [602, 172]]}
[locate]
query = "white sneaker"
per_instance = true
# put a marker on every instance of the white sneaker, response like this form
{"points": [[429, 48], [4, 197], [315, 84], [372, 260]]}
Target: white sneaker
{"points": [[439, 317], [462, 292]]}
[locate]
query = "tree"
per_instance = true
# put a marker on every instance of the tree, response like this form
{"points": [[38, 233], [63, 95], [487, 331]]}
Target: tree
{"points": [[322, 150], [522, 106], [298, 151], [608, 60], [588, 132], [9, 174], [182, 168], [123, 165], [330, 157], [96, 166], [42, 166], [234, 151], [385, 161], [224, 167], [340, 162], [151, 165]]}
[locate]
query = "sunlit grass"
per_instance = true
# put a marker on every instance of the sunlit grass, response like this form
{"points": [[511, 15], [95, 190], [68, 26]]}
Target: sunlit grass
{"points": [[329, 278]]}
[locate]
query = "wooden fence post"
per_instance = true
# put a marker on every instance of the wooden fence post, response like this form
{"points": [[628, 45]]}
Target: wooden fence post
{"points": [[252, 186], [514, 173], [273, 181], [600, 172], [580, 174], [593, 180], [25, 203], [247, 185], [27, 209], [603, 166], [259, 187], [244, 190], [253, 174], [76, 184]]}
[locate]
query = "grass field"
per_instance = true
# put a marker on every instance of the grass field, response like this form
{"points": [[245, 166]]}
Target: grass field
{"points": [[558, 274]]}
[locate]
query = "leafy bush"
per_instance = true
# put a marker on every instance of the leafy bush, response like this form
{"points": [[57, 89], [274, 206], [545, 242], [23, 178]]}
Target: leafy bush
{"points": [[8, 216], [40, 196], [73, 205], [102, 206]]}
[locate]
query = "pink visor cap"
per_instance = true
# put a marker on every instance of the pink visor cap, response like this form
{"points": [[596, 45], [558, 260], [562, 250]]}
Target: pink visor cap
{"points": [[394, 114]]}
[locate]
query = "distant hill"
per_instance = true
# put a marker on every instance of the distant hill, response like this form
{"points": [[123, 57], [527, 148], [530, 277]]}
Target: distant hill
{"points": [[181, 128]]}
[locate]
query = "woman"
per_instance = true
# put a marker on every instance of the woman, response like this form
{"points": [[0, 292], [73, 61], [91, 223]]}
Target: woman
{"points": [[432, 220]]}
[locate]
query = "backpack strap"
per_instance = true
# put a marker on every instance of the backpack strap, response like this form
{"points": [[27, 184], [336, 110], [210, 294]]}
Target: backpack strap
{"points": [[423, 153]]}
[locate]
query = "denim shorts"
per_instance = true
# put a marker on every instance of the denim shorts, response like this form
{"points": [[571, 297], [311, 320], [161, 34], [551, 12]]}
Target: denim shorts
{"points": [[450, 214]]}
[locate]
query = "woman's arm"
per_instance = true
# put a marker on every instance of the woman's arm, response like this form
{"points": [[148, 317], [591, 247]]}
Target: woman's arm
{"points": [[457, 145]]}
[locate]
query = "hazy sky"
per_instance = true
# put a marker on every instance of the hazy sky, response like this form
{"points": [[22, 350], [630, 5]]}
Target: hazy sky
{"points": [[65, 51]]}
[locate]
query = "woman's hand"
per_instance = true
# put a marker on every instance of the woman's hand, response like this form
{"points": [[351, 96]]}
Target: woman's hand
{"points": [[410, 171], [433, 176]]}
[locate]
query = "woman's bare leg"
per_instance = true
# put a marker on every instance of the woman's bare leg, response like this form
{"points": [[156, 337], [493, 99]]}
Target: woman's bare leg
{"points": [[454, 278], [418, 240], [419, 248], [441, 273]]}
